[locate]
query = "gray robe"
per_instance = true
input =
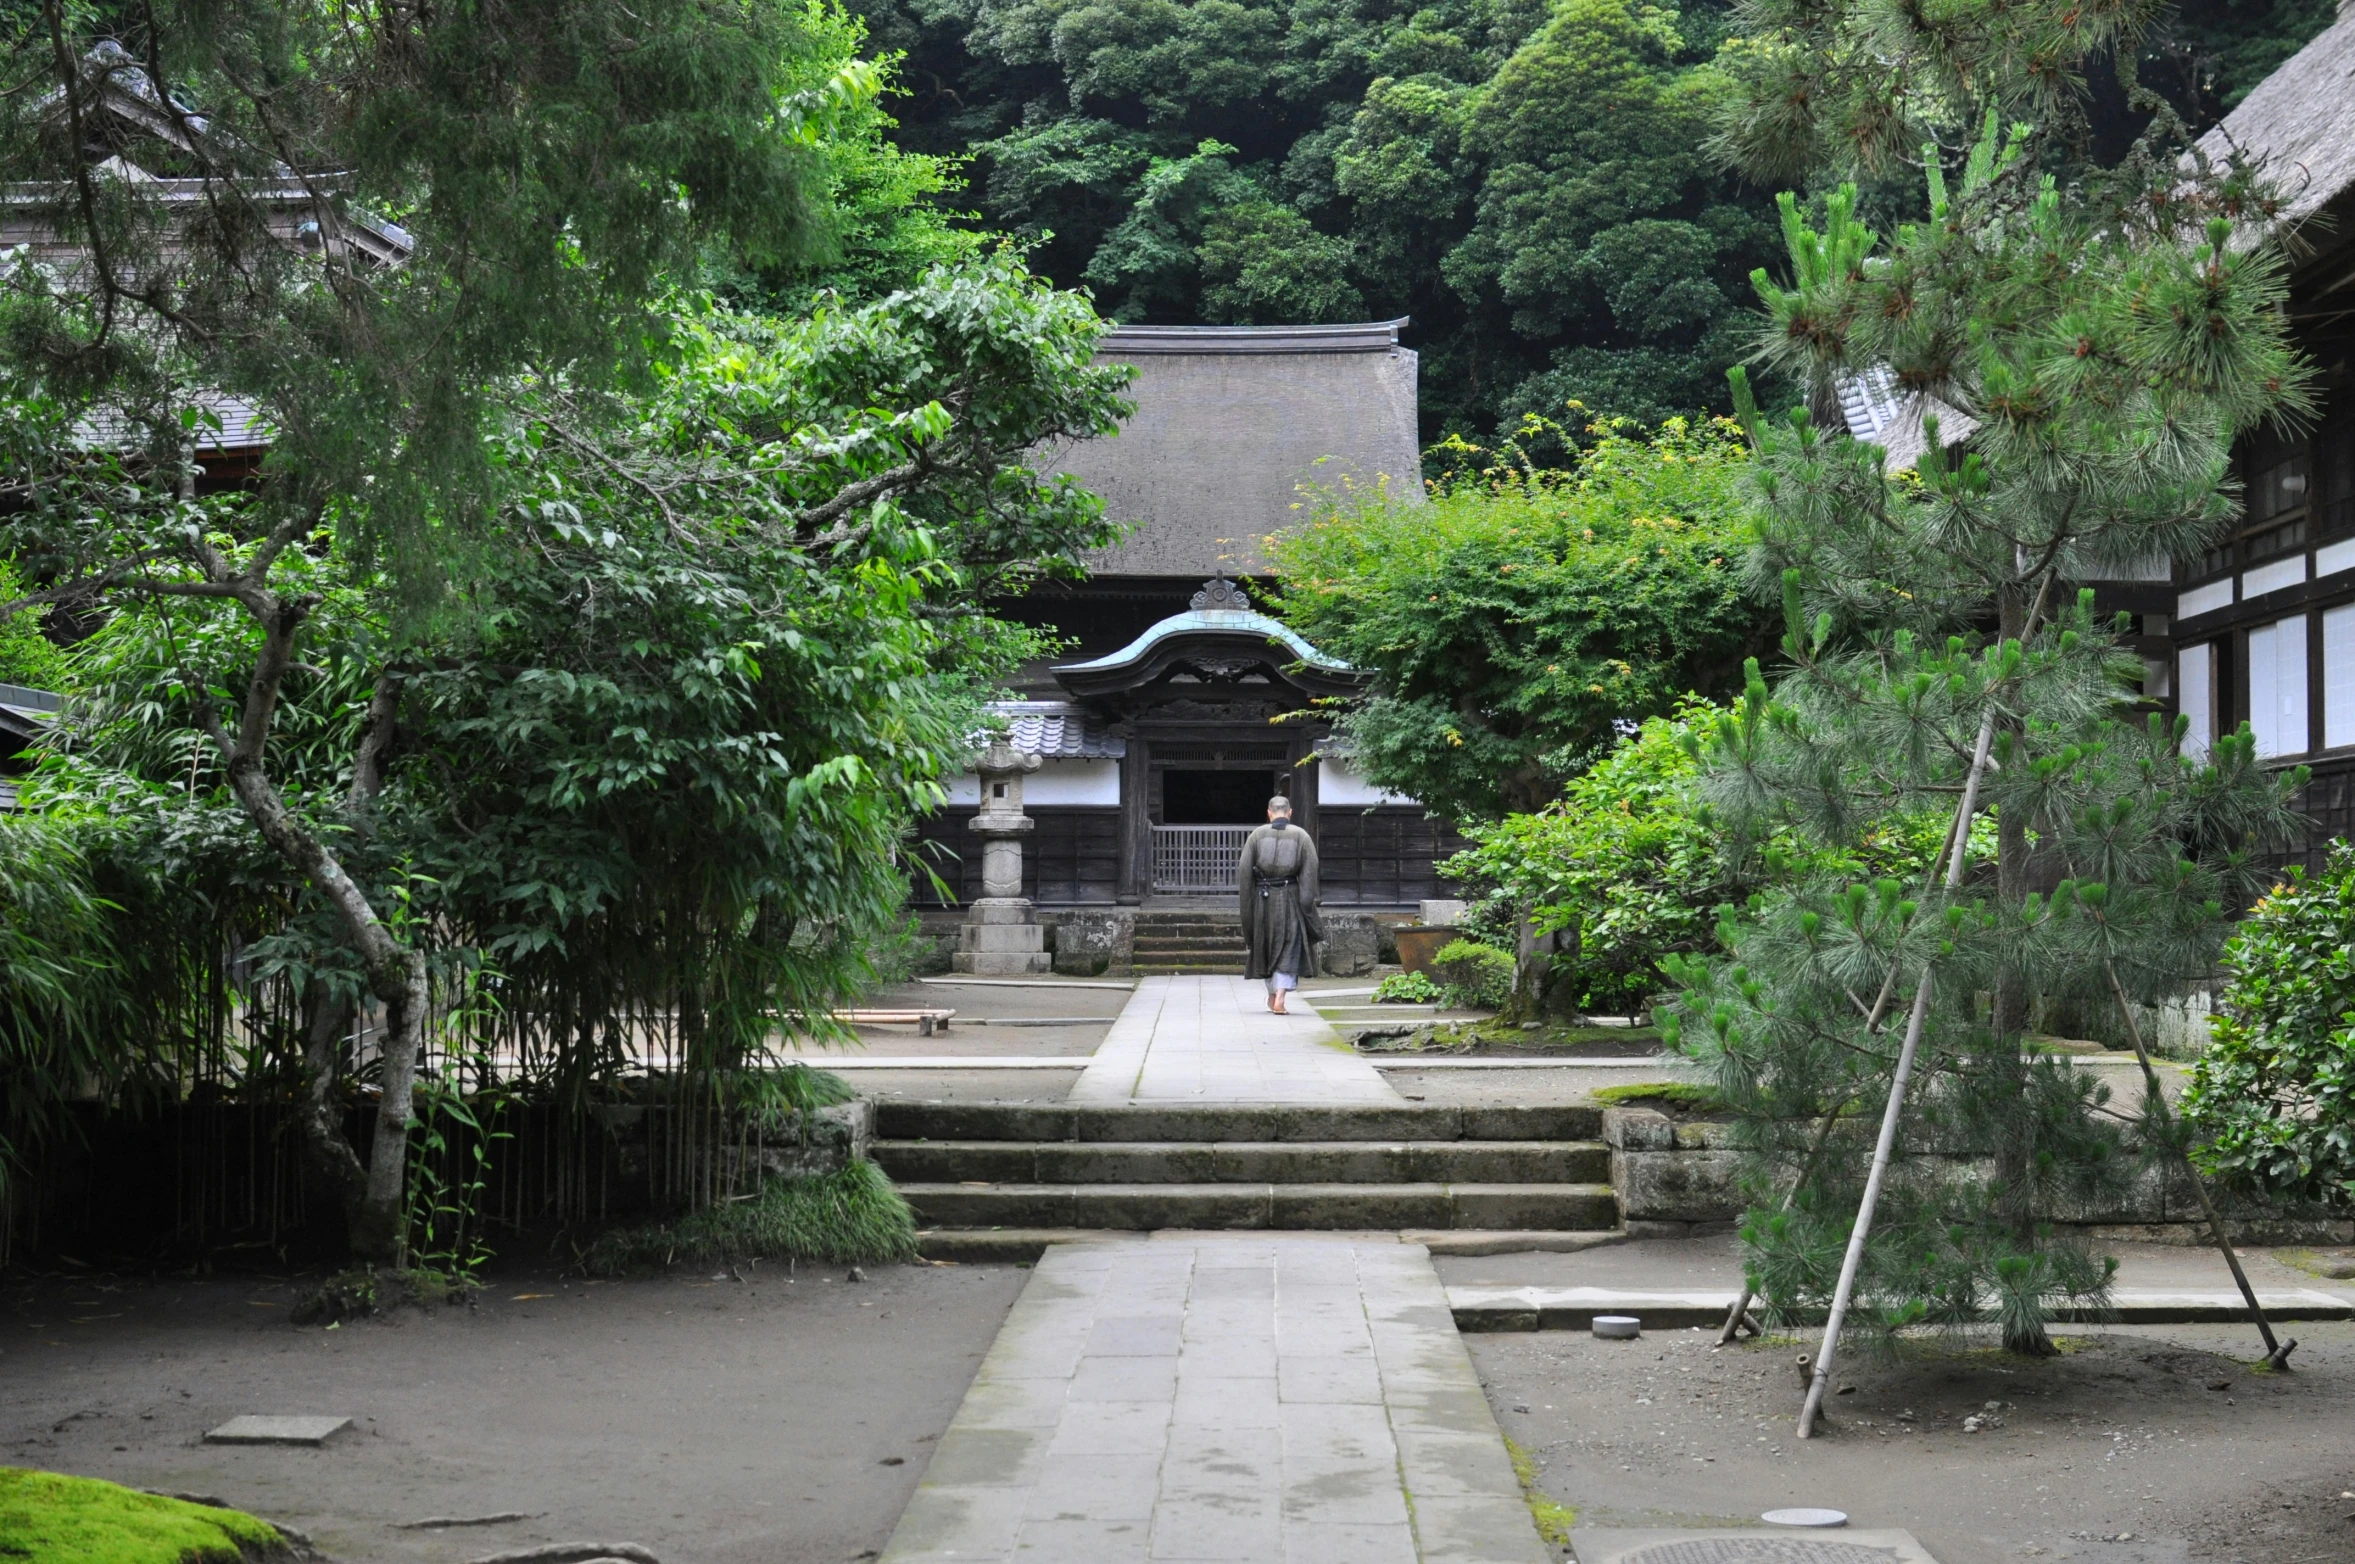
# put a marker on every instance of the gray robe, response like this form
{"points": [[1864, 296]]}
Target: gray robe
{"points": [[1278, 880]]}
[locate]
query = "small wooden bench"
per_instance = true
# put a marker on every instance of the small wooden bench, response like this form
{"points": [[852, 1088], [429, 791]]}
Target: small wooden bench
{"points": [[926, 1022]]}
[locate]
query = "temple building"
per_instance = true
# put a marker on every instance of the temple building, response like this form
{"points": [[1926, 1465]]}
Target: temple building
{"points": [[1180, 706]]}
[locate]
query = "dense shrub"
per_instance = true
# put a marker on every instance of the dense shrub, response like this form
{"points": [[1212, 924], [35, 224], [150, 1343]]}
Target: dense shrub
{"points": [[852, 1215], [1477, 977], [1629, 863], [2273, 1096]]}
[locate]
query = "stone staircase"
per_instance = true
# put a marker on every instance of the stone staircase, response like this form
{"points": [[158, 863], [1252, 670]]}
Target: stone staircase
{"points": [[1188, 940], [1002, 1179]]}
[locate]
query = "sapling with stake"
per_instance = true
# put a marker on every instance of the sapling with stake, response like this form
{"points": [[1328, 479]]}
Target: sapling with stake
{"points": [[1950, 703]]}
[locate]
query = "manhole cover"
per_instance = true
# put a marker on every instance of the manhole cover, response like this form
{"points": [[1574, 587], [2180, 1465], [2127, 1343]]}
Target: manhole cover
{"points": [[1757, 1550]]}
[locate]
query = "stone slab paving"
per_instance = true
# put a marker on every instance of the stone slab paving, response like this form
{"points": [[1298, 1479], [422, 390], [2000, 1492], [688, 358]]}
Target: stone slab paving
{"points": [[1245, 1400], [253, 1429], [1211, 1040]]}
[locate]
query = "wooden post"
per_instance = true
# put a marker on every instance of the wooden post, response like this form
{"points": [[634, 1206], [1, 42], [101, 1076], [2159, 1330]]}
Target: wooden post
{"points": [[1136, 825]]}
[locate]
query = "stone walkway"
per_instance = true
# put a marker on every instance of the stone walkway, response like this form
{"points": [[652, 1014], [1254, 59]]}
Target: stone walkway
{"points": [[1246, 1400], [1211, 1040]]}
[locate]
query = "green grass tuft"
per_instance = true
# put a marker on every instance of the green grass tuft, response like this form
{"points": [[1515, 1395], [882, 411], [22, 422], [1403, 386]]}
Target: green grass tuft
{"points": [[853, 1216], [50, 1518], [1553, 1520], [1678, 1094]]}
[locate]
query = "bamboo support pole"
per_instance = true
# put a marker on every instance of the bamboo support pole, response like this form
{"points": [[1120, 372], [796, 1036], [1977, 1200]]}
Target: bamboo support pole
{"points": [[2277, 1354], [1958, 854]]}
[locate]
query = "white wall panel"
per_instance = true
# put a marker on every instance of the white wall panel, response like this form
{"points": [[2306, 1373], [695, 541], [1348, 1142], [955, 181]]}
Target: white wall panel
{"points": [[2277, 686], [2195, 683], [2338, 676], [1060, 782], [1339, 787]]}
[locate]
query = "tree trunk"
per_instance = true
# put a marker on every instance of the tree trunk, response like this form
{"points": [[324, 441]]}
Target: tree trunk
{"points": [[2015, 1151], [395, 975], [322, 1114]]}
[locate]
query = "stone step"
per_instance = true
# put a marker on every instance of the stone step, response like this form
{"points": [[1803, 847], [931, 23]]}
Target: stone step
{"points": [[1231, 968], [1183, 949], [1295, 1207], [1230, 926], [1002, 1121], [1245, 1162], [978, 1244]]}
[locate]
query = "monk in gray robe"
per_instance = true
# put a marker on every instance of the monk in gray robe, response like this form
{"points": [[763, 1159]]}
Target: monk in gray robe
{"points": [[1278, 877]]}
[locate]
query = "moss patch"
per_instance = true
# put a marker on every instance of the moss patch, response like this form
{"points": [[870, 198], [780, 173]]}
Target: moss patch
{"points": [[2335, 1265], [1553, 1520], [364, 1290], [50, 1518], [850, 1217], [1669, 1096]]}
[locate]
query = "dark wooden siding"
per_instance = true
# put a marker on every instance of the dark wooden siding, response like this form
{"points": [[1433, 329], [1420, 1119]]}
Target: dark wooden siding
{"points": [[1382, 857], [1071, 856], [1371, 858], [2329, 803]]}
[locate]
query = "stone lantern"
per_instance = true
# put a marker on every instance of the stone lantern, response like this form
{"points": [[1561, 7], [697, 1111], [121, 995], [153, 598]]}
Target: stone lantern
{"points": [[1001, 936]]}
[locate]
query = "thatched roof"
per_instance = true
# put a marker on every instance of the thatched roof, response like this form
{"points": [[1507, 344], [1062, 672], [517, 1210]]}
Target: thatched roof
{"points": [[1231, 422], [2300, 122]]}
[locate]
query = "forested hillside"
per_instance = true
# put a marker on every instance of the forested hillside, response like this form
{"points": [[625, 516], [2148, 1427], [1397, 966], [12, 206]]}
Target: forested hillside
{"points": [[1532, 182]]}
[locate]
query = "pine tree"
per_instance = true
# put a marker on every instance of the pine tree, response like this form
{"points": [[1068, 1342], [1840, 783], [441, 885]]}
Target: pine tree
{"points": [[2085, 358]]}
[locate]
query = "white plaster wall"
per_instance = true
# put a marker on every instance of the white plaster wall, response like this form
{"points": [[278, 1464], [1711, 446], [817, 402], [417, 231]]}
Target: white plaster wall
{"points": [[1339, 787], [1065, 782]]}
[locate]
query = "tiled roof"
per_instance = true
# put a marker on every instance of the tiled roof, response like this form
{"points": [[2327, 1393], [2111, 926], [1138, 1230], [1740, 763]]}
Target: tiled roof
{"points": [[1058, 730]]}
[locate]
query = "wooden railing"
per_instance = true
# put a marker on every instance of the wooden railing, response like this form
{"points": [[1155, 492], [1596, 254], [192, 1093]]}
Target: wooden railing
{"points": [[1196, 860]]}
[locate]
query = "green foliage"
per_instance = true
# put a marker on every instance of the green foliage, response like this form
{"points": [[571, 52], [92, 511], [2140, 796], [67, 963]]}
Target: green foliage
{"points": [[1282, 160], [654, 785], [1632, 863], [1856, 87], [1474, 976], [1408, 988], [2272, 1097], [66, 1007], [27, 656], [1514, 620], [1624, 861], [852, 1216], [889, 221], [51, 1518], [1531, 180], [2102, 403]]}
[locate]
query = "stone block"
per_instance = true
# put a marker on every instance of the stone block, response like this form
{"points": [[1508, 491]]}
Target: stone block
{"points": [[1542, 1207], [1530, 1122], [1089, 943], [1343, 1207], [1678, 1186], [1438, 914], [1638, 1129], [981, 963], [826, 1141], [1026, 938], [262, 1430], [1353, 945]]}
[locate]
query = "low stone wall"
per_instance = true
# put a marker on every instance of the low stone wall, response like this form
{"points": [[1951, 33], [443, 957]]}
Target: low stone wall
{"points": [[1678, 1179], [1094, 941], [1673, 1180]]}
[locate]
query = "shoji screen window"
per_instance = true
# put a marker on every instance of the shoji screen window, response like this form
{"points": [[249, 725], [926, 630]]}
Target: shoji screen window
{"points": [[2277, 686], [2338, 676], [2195, 695]]}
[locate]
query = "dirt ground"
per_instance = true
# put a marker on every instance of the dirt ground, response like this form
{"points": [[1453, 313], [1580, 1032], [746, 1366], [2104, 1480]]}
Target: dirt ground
{"points": [[784, 1421], [2119, 1451]]}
